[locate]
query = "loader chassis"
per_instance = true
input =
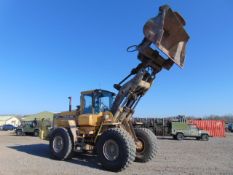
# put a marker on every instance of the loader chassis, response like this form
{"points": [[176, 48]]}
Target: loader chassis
{"points": [[103, 122]]}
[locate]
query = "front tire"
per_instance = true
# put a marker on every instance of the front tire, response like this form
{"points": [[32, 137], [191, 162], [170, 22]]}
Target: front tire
{"points": [[116, 149], [180, 136], [60, 144], [148, 144]]}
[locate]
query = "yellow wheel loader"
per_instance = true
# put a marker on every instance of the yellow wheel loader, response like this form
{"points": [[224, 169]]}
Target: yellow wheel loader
{"points": [[102, 124]]}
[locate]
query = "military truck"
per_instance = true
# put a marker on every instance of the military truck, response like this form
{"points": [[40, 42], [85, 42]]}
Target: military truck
{"points": [[28, 128], [180, 130]]}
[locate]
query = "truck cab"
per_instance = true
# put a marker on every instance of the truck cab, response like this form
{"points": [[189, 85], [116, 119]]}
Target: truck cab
{"points": [[96, 101], [94, 104]]}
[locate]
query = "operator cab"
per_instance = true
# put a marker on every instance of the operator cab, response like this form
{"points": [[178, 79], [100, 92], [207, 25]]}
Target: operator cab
{"points": [[96, 101]]}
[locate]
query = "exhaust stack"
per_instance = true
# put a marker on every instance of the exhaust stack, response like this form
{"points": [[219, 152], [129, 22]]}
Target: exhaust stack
{"points": [[70, 104]]}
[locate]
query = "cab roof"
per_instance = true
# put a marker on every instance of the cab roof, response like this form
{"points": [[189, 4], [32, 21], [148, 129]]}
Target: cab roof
{"points": [[97, 91]]}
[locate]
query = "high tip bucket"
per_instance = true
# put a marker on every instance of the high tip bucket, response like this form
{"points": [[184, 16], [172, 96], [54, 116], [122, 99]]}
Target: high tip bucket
{"points": [[167, 32]]}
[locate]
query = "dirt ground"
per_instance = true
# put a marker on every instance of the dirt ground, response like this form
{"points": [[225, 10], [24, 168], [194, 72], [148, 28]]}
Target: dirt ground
{"points": [[29, 155]]}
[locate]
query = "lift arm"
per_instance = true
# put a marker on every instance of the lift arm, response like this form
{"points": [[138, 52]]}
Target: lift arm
{"points": [[166, 32]]}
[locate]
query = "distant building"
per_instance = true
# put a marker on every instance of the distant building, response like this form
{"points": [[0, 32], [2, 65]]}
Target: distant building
{"points": [[12, 120]]}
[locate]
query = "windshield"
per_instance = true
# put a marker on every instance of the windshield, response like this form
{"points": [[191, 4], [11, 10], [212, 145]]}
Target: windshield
{"points": [[103, 102]]}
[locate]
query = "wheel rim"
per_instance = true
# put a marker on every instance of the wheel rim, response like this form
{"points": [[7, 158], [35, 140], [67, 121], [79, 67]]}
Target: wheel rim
{"points": [[58, 144], [111, 150], [141, 146], [179, 136]]}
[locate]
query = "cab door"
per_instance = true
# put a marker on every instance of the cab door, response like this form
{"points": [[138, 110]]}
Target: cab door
{"points": [[193, 130], [87, 104]]}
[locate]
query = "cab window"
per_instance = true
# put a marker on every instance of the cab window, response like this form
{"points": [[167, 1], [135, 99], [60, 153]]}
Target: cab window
{"points": [[103, 102], [193, 126], [87, 104]]}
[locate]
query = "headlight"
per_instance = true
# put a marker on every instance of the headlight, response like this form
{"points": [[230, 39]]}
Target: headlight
{"points": [[106, 117]]}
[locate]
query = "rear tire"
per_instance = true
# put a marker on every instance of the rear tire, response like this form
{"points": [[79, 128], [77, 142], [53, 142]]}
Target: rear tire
{"points": [[204, 137], [36, 133], [19, 132], [116, 149], [180, 136], [60, 144], [149, 145]]}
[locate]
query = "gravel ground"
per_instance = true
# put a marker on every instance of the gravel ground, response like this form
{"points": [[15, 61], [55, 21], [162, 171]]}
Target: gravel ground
{"points": [[29, 155]]}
